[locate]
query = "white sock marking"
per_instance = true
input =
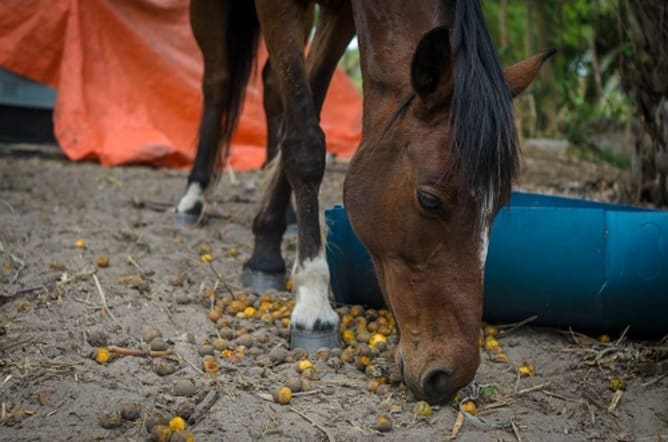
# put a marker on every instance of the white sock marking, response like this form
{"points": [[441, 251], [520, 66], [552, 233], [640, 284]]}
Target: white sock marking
{"points": [[193, 195], [311, 283]]}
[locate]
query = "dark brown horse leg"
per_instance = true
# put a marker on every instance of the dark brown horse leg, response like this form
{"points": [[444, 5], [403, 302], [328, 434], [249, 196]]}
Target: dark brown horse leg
{"points": [[207, 21], [273, 111], [314, 323]]}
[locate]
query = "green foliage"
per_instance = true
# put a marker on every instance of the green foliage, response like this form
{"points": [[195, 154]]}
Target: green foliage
{"points": [[580, 85]]}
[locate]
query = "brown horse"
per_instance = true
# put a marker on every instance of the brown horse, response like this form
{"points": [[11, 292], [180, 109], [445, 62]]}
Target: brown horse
{"points": [[436, 162]]}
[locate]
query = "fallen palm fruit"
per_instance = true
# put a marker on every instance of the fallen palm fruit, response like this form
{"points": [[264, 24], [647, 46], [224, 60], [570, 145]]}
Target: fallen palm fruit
{"points": [[526, 370], [102, 261], [80, 244], [160, 433], [282, 395], [384, 423], [207, 257], [617, 383], [422, 408], [491, 330], [177, 423], [469, 407], [376, 338], [604, 339], [303, 365], [491, 344], [102, 355]]}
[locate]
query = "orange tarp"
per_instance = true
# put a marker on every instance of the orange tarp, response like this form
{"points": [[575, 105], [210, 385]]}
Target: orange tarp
{"points": [[128, 79]]}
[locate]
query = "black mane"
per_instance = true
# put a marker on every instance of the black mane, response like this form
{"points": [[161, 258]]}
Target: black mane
{"points": [[481, 117]]}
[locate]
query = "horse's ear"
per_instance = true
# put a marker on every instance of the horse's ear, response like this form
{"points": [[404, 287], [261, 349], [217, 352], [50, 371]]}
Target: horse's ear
{"points": [[431, 61], [520, 75]]}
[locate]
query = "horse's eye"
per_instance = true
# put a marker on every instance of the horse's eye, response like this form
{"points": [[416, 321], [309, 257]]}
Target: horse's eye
{"points": [[429, 202]]}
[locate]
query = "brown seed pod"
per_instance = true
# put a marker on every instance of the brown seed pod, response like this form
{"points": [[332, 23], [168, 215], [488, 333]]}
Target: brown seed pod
{"points": [[158, 344], [109, 419], [185, 387], [348, 356], [226, 333], [150, 334], [160, 433], [205, 350], [373, 371], [311, 374], [220, 344], [356, 310], [102, 261], [185, 409], [384, 423], [278, 355], [299, 354], [130, 411], [182, 436], [294, 383], [162, 367], [334, 362], [322, 354], [155, 420], [246, 340]]}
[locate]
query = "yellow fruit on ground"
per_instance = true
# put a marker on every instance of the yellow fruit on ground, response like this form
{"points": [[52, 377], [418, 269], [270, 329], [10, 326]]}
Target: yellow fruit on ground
{"points": [[283, 395], [422, 408], [384, 423], [215, 315], [501, 357], [491, 344], [617, 383], [376, 338], [233, 253], [348, 336], [210, 365], [304, 364], [491, 330], [177, 423], [102, 261], [526, 370], [102, 355], [80, 244], [207, 257], [249, 312], [469, 407], [604, 339]]}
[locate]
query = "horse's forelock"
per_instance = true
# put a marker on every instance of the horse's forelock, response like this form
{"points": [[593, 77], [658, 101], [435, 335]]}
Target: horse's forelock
{"points": [[483, 132]]}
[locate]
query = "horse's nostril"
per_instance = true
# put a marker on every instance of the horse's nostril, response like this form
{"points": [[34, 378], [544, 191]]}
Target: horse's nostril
{"points": [[436, 385]]}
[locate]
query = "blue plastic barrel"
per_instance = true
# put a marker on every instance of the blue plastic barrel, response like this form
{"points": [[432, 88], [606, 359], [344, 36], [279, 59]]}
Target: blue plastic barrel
{"points": [[591, 266]]}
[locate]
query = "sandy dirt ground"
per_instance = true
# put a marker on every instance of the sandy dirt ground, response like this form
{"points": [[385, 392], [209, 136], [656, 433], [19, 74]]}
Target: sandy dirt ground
{"points": [[219, 370]]}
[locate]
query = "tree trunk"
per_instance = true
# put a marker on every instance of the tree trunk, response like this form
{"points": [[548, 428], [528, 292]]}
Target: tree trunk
{"points": [[503, 24], [644, 71]]}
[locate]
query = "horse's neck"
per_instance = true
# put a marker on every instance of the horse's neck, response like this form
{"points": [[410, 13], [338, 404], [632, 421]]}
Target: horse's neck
{"points": [[388, 32]]}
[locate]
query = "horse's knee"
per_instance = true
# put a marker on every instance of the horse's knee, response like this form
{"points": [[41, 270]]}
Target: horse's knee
{"points": [[304, 156]]}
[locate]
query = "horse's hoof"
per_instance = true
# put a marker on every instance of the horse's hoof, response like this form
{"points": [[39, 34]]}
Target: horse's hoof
{"points": [[259, 281], [311, 340], [187, 218]]}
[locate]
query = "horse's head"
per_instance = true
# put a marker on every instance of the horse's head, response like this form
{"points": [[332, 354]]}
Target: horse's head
{"points": [[421, 194]]}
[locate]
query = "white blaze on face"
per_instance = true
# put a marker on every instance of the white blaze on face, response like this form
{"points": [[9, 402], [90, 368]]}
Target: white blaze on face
{"points": [[311, 284], [193, 195], [485, 221]]}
